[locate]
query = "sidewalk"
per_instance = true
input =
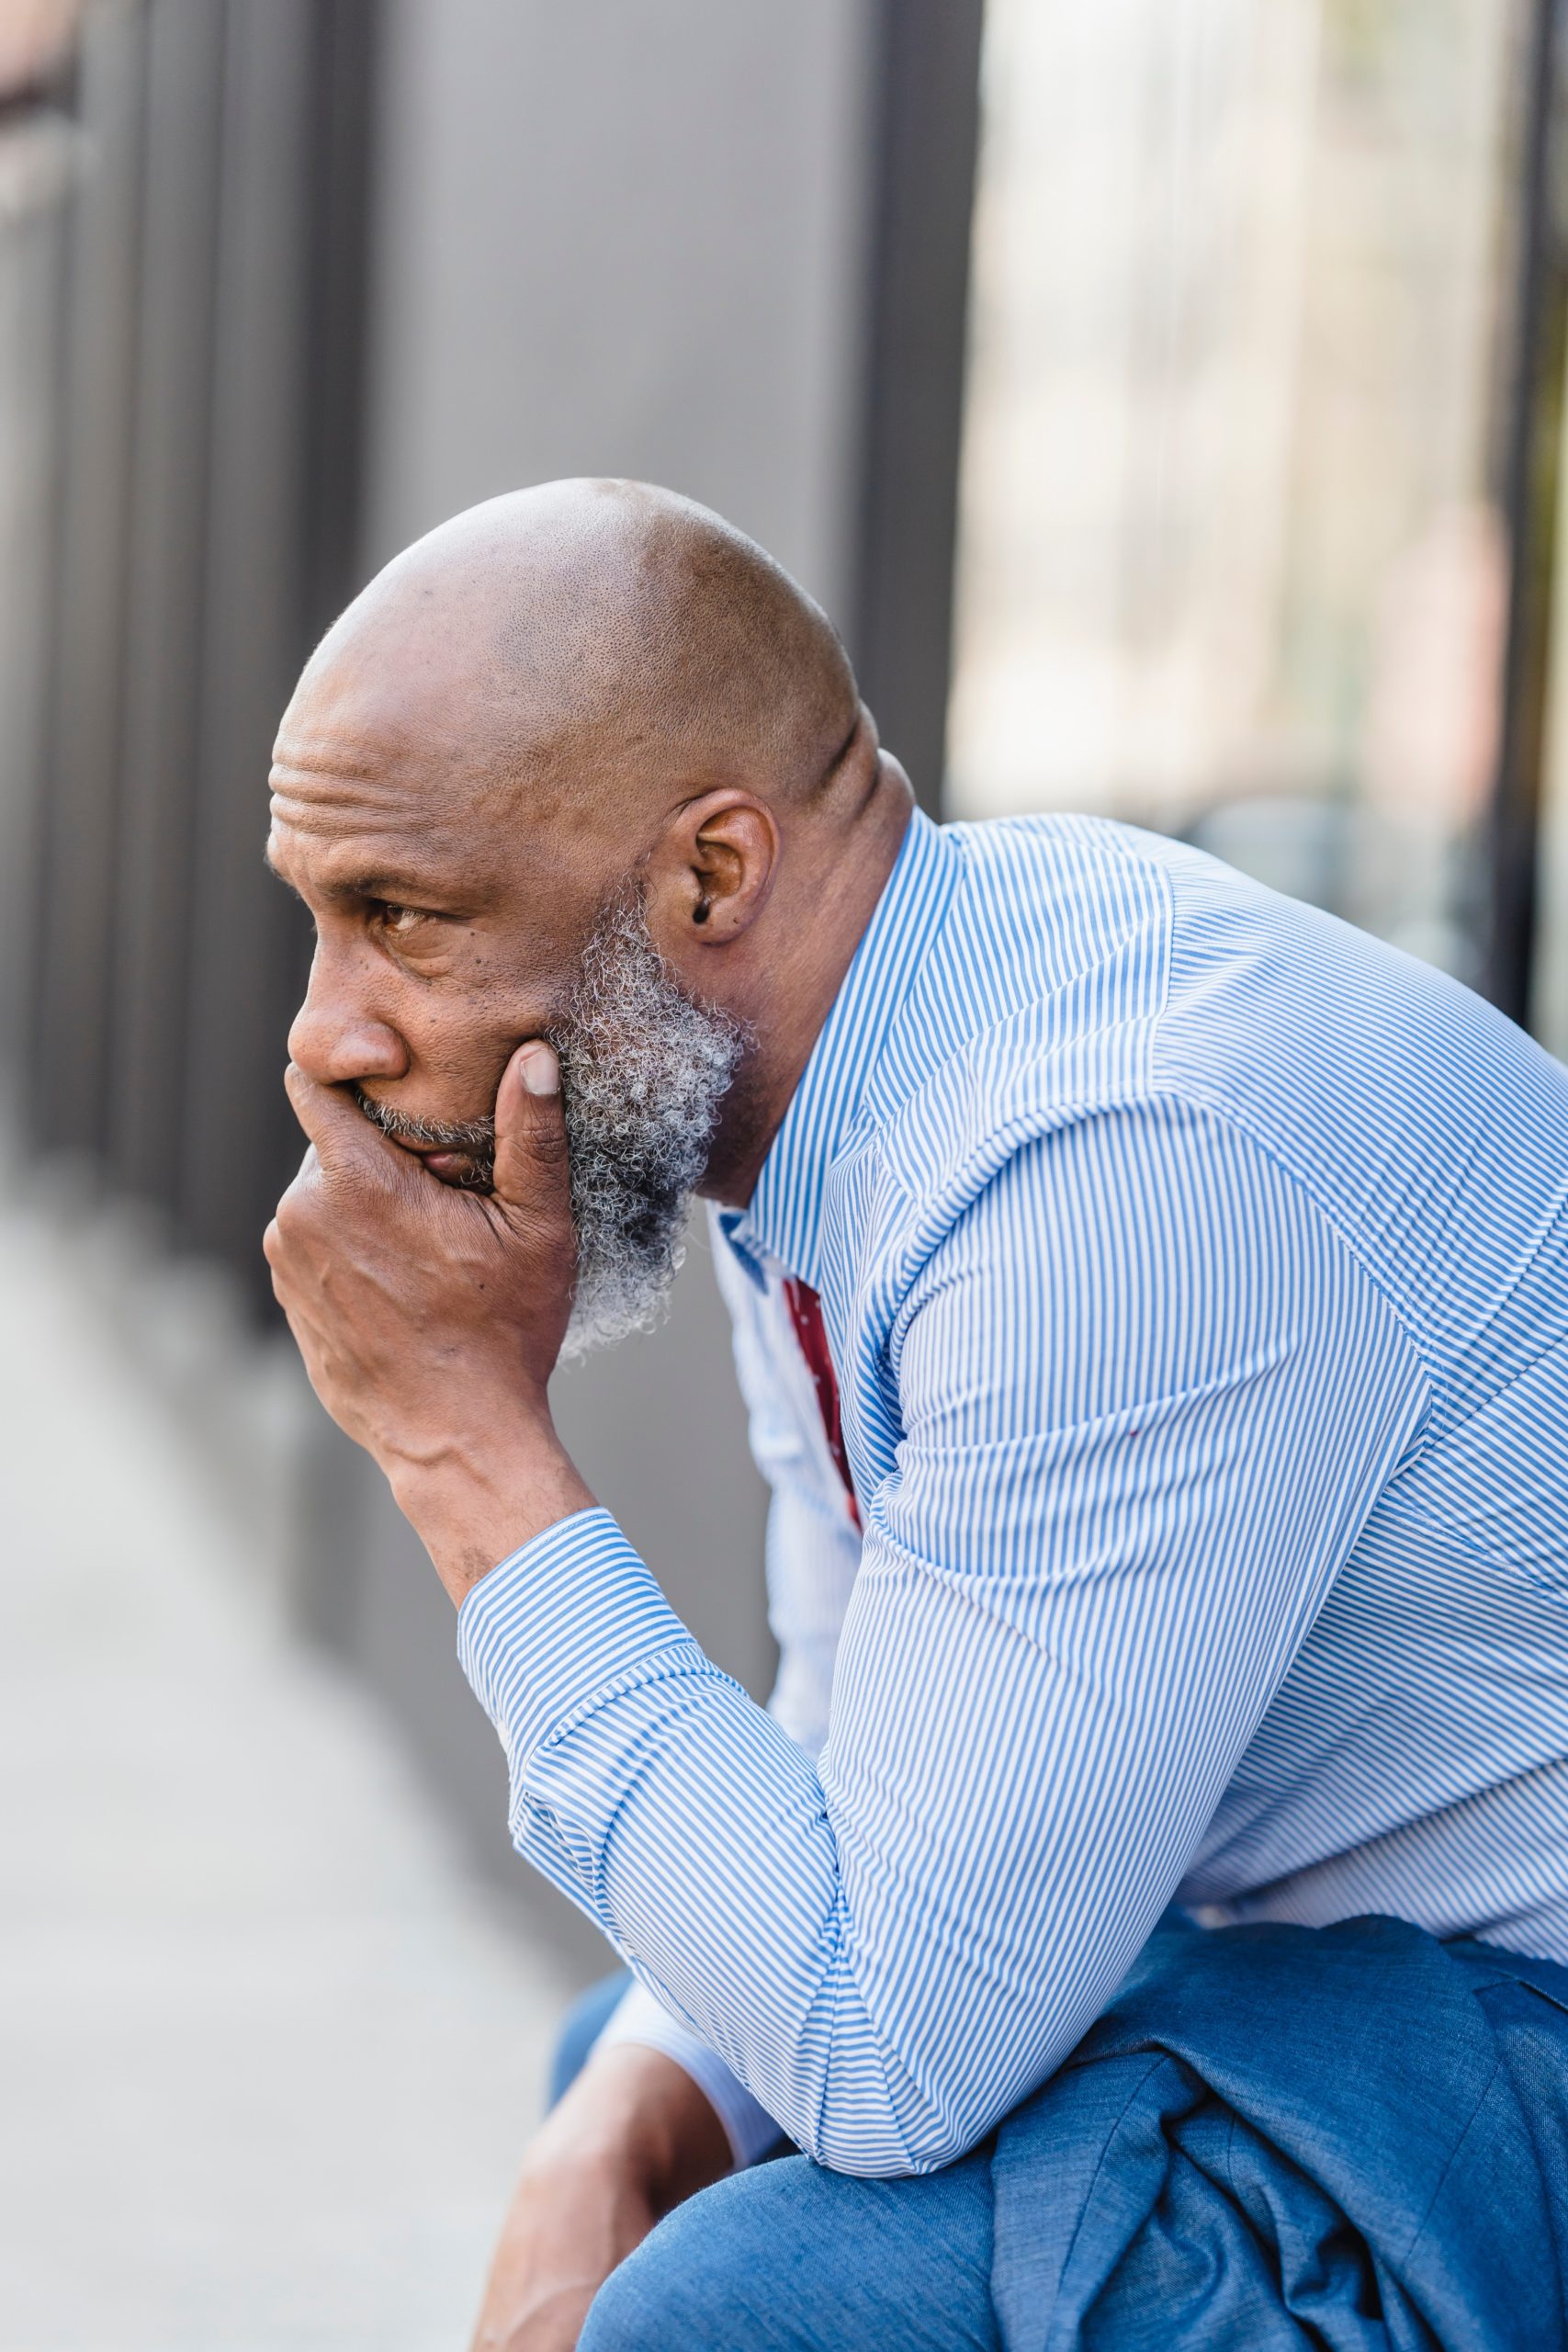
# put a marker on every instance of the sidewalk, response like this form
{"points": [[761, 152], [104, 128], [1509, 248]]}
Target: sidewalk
{"points": [[268, 2056]]}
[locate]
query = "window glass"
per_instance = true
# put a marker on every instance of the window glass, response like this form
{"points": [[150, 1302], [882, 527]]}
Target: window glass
{"points": [[1229, 563]]}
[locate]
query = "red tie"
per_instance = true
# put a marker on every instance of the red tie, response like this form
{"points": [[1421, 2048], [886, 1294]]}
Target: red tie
{"points": [[806, 1314]]}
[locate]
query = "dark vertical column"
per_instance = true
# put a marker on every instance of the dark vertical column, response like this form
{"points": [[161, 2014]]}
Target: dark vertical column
{"points": [[166, 596], [281, 525], [72, 970], [40, 154], [926, 65], [345, 82], [1533, 420]]}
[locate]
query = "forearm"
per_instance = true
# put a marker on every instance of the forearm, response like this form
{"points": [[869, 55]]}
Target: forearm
{"points": [[633, 2111], [487, 1493]]}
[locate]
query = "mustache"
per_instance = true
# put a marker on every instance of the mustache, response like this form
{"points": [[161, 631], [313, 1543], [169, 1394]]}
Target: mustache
{"points": [[474, 1137]]}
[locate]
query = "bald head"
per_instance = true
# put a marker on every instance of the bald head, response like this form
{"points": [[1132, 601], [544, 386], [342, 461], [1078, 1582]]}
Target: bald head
{"points": [[600, 638], [588, 713]]}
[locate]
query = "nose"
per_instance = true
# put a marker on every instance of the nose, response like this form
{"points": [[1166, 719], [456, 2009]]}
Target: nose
{"points": [[336, 1043]]}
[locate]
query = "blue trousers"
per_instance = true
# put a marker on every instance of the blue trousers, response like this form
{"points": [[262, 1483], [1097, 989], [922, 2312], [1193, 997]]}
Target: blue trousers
{"points": [[1353, 2138], [790, 2253]]}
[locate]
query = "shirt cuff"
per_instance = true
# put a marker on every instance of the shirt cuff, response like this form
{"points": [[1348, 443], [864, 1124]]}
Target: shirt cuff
{"points": [[546, 1631], [749, 2129]]}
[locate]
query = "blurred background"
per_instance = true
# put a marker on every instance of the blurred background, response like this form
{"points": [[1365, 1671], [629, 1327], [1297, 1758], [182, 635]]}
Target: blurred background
{"points": [[1165, 398]]}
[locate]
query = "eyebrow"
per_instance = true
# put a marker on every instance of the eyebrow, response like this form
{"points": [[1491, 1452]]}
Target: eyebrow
{"points": [[376, 882]]}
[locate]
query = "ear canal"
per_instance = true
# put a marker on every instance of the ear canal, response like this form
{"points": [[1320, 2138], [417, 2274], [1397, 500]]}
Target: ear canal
{"points": [[700, 911]]}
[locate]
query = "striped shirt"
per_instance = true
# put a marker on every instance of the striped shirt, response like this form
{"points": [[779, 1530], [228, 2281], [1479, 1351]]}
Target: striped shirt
{"points": [[1195, 1272]]}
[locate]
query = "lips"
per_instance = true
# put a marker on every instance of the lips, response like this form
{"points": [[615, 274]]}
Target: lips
{"points": [[462, 1170], [466, 1164]]}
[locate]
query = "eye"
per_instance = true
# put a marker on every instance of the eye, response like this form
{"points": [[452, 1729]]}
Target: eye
{"points": [[398, 920]]}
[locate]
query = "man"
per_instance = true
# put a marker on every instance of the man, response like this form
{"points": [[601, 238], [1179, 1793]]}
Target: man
{"points": [[1152, 1301]]}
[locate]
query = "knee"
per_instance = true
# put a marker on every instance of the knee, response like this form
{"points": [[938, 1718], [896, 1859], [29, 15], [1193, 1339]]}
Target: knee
{"points": [[646, 2305], [680, 2291], [620, 2318]]}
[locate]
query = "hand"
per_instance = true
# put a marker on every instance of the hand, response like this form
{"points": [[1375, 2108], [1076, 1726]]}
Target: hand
{"points": [[633, 2137], [430, 1318]]}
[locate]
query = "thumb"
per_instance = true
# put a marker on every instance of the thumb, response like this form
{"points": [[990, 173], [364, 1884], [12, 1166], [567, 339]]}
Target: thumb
{"points": [[530, 1133]]}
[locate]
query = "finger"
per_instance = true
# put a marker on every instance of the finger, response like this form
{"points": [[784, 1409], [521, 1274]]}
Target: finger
{"points": [[337, 1127], [530, 1132]]}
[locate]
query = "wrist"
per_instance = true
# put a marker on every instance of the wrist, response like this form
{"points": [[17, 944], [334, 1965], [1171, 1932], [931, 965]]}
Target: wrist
{"points": [[473, 1505]]}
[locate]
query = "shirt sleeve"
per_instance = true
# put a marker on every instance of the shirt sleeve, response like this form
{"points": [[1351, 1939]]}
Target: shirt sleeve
{"points": [[1148, 1396]]}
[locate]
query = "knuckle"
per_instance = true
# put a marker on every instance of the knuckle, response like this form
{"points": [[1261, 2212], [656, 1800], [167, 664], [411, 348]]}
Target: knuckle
{"points": [[543, 1234]]}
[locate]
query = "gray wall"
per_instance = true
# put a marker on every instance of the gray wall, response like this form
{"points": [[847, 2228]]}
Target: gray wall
{"points": [[664, 282], [662, 279], [334, 269]]}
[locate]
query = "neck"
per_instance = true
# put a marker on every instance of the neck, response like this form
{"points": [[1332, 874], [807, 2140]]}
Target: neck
{"points": [[825, 920]]}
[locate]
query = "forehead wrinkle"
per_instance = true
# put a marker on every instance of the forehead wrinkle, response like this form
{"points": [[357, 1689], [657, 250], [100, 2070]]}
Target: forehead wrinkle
{"points": [[362, 782], [326, 803], [331, 814], [404, 787], [365, 761], [311, 746], [377, 853]]}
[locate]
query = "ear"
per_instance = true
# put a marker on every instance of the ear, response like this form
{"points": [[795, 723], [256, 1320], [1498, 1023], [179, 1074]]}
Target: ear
{"points": [[709, 876]]}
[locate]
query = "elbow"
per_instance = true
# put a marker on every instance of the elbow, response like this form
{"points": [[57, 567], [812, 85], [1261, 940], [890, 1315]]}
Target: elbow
{"points": [[846, 2137], [861, 2160]]}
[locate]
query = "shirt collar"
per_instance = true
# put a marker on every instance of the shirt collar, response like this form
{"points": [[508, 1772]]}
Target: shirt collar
{"points": [[784, 1221]]}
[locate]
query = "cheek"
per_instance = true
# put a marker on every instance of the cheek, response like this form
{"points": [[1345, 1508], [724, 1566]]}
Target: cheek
{"points": [[494, 986], [460, 1037]]}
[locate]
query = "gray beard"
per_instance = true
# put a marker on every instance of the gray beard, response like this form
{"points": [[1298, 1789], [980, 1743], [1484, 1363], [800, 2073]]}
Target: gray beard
{"points": [[644, 1071]]}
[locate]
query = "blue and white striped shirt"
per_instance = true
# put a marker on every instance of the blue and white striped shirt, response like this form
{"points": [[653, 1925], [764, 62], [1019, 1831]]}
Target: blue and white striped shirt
{"points": [[1196, 1274]]}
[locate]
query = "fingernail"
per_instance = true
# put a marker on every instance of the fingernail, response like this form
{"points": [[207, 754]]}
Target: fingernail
{"points": [[541, 1071]]}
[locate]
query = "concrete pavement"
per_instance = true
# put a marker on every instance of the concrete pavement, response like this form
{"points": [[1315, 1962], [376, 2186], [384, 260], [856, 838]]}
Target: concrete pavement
{"points": [[267, 2053]]}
